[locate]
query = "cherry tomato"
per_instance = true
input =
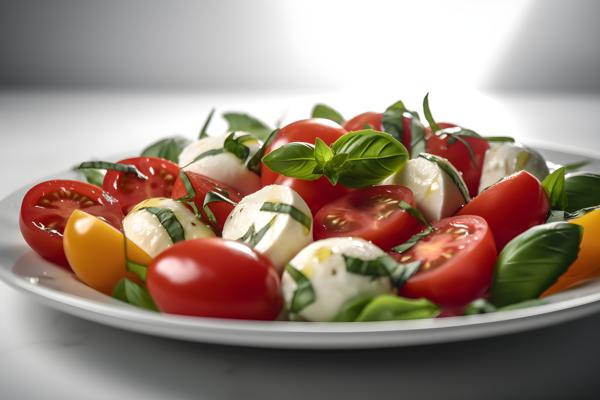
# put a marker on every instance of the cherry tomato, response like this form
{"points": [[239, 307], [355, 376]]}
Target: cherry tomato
{"points": [[371, 213], [442, 125], [315, 193], [458, 260], [202, 185], [365, 120], [511, 206], [131, 190], [306, 130], [215, 278], [47, 206], [458, 154]]}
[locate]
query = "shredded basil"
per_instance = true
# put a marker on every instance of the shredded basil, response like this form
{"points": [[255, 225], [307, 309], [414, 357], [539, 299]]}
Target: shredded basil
{"points": [[252, 237], [428, 116], [208, 153], [126, 168], [290, 210], [304, 295], [451, 171], [254, 162], [382, 266], [213, 197], [236, 146], [499, 139], [414, 239], [413, 212], [203, 131], [169, 221]]}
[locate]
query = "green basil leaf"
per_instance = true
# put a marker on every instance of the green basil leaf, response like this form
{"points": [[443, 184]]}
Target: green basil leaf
{"points": [[246, 123], [479, 306], [252, 237], [583, 191], [324, 111], [323, 154], [374, 267], [392, 120], [207, 153], [168, 148], [236, 146], [351, 309], [372, 157], [204, 130], [92, 176], [456, 134], [533, 261], [290, 210], [130, 292], [418, 137], [524, 304], [579, 213], [393, 308], [499, 139], [126, 168], [138, 269], [571, 167], [554, 186], [413, 212], [187, 184], [254, 162], [451, 171], [169, 221], [428, 116], [304, 295], [414, 239], [296, 160], [214, 197]]}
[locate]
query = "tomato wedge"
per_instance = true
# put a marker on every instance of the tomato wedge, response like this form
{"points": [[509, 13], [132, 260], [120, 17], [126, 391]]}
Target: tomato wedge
{"points": [[371, 213], [130, 190], [457, 262], [47, 206], [202, 185]]}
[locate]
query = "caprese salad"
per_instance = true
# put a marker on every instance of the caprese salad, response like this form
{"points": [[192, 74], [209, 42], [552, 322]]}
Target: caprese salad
{"points": [[374, 218]]}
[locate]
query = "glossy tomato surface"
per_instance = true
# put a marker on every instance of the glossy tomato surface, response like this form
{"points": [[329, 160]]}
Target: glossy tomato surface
{"points": [[47, 206], [315, 193], [511, 206], [457, 262], [306, 130], [130, 190], [202, 185], [371, 213], [366, 120], [215, 278]]}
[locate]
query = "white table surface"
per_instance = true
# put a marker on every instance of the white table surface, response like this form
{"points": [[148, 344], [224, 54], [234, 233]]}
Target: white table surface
{"points": [[45, 354]]}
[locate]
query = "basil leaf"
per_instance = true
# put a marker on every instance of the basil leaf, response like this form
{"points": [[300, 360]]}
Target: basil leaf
{"points": [[290, 210], [576, 165], [392, 120], [417, 131], [524, 304], [456, 135], [583, 190], [579, 213], [372, 157], [254, 162], [413, 212], [323, 154], [351, 309], [252, 237], [499, 139], [214, 197], [168, 148], [207, 153], [554, 186], [296, 160], [138, 269], [92, 176], [414, 239], [451, 171], [126, 168], [236, 146], [169, 221], [187, 184], [130, 292], [533, 261], [304, 295], [203, 131], [324, 111], [479, 306], [381, 266], [393, 308], [246, 123], [427, 112]]}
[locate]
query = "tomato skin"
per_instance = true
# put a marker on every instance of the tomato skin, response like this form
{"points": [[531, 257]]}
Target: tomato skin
{"points": [[202, 185], [130, 190], [458, 155], [361, 211], [361, 121], [315, 193], [511, 206], [442, 125], [215, 278], [462, 278], [306, 130], [47, 206]]}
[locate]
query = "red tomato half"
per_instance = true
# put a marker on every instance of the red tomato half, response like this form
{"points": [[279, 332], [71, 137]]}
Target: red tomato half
{"points": [[202, 185], [457, 262], [306, 130], [371, 213], [511, 206], [315, 193], [458, 154], [215, 278], [363, 121], [130, 190], [47, 206]]}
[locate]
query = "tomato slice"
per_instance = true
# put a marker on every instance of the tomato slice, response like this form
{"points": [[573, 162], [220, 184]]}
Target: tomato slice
{"points": [[371, 213], [47, 206], [130, 190], [306, 130], [511, 206], [202, 185], [365, 120], [315, 193], [457, 258]]}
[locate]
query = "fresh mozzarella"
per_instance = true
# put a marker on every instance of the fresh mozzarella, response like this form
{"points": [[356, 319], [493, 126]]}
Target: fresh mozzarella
{"points": [[284, 235], [436, 193], [224, 167], [145, 229], [504, 159], [323, 264]]}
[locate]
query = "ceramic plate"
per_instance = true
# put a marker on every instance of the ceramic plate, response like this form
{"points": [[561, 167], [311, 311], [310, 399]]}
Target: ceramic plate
{"points": [[22, 269]]}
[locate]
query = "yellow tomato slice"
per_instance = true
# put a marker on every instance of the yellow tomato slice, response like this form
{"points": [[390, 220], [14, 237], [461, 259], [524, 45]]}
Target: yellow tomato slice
{"points": [[96, 251], [587, 264]]}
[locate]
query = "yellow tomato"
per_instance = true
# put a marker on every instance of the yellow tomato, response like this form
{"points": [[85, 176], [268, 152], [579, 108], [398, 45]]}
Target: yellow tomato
{"points": [[587, 264], [96, 251]]}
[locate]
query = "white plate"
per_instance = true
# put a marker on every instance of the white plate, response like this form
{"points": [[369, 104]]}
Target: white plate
{"points": [[53, 286]]}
